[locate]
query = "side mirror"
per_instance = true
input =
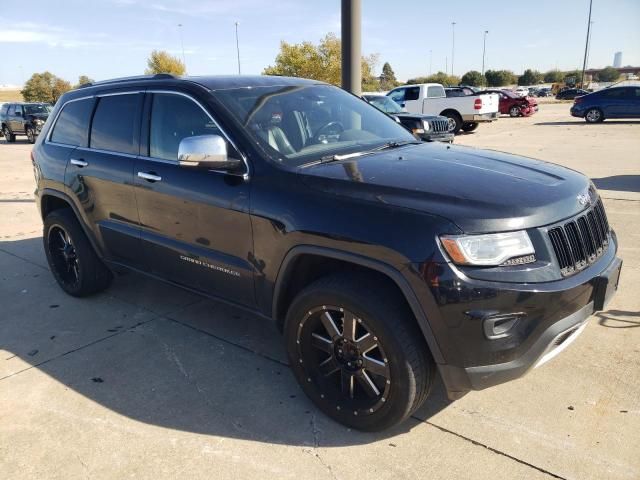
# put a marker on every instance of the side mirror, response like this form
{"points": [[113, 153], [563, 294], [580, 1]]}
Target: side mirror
{"points": [[206, 151]]}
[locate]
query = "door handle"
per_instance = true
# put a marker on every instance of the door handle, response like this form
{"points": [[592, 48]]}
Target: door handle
{"points": [[79, 162], [150, 177]]}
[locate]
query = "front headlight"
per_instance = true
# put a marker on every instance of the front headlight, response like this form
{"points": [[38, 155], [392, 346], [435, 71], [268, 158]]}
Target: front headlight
{"points": [[510, 248], [426, 126], [38, 121]]}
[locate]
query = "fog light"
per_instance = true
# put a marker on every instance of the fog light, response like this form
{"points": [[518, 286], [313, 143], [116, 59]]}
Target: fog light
{"points": [[499, 325]]}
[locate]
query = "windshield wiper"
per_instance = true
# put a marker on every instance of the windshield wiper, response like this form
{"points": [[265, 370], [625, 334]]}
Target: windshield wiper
{"points": [[347, 156]]}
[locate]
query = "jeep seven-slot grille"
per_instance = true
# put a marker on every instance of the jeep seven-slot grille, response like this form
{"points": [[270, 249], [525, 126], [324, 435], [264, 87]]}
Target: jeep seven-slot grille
{"points": [[440, 126], [580, 241]]}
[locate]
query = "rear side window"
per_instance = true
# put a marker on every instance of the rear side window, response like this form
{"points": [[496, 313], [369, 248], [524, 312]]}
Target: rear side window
{"points": [[614, 93], [174, 117], [114, 124], [73, 123], [435, 91], [18, 110]]}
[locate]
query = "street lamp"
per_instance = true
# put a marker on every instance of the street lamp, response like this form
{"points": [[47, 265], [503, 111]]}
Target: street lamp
{"points": [[586, 45], [453, 43], [184, 61], [430, 61], [238, 47], [484, 48]]}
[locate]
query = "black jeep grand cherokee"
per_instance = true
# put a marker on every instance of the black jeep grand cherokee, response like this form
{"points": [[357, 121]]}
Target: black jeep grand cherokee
{"points": [[381, 258]]}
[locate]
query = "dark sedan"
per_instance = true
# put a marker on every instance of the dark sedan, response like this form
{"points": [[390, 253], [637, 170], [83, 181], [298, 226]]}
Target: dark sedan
{"points": [[570, 94], [613, 102], [430, 128]]}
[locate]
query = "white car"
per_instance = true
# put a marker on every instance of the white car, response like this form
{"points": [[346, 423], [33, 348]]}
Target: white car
{"points": [[522, 91], [464, 113]]}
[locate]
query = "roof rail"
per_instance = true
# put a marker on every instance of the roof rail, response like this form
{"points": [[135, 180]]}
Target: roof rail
{"points": [[157, 76]]}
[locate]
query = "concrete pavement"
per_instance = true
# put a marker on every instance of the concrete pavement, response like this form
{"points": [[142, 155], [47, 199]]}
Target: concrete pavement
{"points": [[149, 381]]}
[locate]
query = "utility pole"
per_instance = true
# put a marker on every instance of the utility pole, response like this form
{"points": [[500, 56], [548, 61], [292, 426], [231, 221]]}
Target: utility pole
{"points": [[430, 61], [238, 47], [351, 46], [484, 49], [453, 43], [184, 61], [586, 45], [446, 64]]}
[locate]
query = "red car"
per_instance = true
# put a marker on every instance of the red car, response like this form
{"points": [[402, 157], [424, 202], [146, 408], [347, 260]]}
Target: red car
{"points": [[512, 104]]}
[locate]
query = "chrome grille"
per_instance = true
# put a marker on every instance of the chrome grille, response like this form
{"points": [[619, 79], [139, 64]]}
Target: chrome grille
{"points": [[580, 241], [439, 126]]}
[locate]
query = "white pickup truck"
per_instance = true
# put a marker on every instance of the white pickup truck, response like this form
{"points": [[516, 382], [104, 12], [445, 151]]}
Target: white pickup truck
{"points": [[463, 112]]}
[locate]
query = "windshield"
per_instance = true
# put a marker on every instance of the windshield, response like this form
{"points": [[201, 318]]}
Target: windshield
{"points": [[304, 123], [36, 109], [385, 104]]}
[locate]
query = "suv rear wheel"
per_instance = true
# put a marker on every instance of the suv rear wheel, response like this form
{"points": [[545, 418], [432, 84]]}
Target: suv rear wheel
{"points": [[31, 134], [357, 352], [8, 136], [72, 260]]}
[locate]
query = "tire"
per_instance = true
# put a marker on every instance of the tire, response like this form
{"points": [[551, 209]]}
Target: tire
{"points": [[469, 127], [514, 111], [337, 370], [71, 258], [8, 136], [594, 115], [455, 121], [31, 134]]}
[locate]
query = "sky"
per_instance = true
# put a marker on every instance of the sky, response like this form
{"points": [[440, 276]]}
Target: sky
{"points": [[113, 38]]}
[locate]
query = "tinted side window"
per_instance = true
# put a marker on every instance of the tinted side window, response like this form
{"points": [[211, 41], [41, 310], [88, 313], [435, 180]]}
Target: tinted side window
{"points": [[412, 93], [18, 110], [114, 123], [614, 93], [174, 117], [73, 123]]}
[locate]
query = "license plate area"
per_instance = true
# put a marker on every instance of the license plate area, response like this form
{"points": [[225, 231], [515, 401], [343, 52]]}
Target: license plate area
{"points": [[606, 286]]}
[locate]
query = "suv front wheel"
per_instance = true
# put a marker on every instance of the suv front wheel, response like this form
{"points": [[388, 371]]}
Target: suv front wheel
{"points": [[357, 352], [8, 136], [71, 258]]}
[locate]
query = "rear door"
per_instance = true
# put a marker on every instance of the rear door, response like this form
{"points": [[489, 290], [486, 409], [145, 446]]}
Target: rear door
{"points": [[16, 119], [634, 101], [196, 229], [100, 175]]}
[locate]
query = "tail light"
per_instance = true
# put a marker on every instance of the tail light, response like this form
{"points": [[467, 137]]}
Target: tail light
{"points": [[477, 104]]}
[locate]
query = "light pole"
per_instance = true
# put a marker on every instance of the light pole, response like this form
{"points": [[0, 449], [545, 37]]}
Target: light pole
{"points": [[484, 49], [184, 61], [586, 45], [430, 61], [453, 43], [238, 47]]}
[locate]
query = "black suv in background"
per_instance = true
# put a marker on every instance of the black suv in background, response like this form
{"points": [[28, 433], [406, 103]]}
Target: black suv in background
{"points": [[23, 119], [380, 257], [430, 128]]}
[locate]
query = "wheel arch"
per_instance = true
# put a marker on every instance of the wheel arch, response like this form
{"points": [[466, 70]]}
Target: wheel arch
{"points": [[51, 200], [451, 110], [300, 267]]}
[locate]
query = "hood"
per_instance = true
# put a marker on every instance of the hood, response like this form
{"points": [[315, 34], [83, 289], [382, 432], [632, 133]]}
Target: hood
{"points": [[478, 190]]}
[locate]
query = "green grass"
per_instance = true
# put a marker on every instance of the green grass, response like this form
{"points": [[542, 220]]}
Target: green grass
{"points": [[10, 96]]}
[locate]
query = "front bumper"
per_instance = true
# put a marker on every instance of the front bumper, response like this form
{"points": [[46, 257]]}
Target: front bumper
{"points": [[549, 316], [437, 137], [481, 117]]}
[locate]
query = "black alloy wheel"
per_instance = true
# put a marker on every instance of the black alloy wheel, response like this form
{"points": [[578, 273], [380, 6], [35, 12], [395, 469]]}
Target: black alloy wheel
{"points": [[356, 350], [63, 256], [344, 357]]}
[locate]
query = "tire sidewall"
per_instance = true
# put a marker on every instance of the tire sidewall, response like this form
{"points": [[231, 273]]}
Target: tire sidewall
{"points": [[402, 390], [457, 119], [599, 119], [51, 222]]}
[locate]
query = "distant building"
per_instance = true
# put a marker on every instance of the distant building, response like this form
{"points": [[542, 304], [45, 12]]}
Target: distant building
{"points": [[617, 59]]}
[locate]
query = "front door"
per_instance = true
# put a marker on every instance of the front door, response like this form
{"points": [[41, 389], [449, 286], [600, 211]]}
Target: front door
{"points": [[195, 224], [16, 120]]}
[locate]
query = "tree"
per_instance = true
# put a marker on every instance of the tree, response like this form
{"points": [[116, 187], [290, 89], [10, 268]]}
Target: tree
{"points": [[473, 78], [84, 80], [530, 77], [553, 76], [319, 62], [608, 74], [162, 62], [388, 78], [440, 77], [500, 78], [44, 87]]}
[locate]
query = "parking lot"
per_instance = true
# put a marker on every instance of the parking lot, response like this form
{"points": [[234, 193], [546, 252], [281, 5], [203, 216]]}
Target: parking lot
{"points": [[149, 381]]}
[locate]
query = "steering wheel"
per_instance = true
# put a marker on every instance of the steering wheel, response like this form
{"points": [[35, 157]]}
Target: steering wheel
{"points": [[321, 135]]}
